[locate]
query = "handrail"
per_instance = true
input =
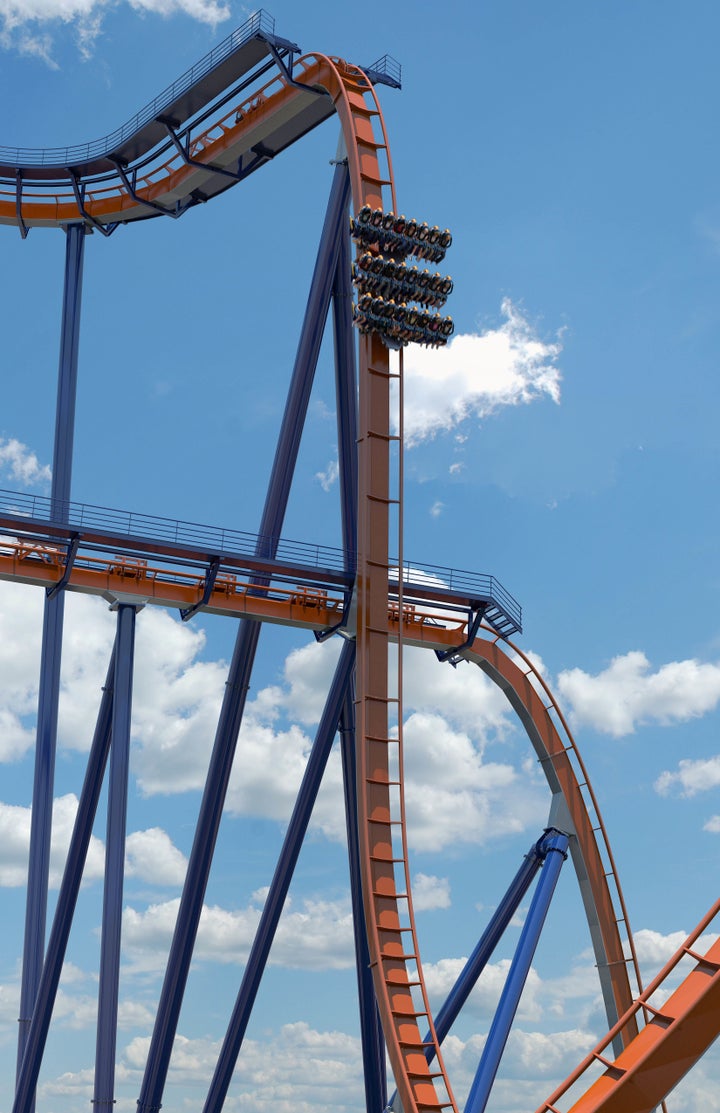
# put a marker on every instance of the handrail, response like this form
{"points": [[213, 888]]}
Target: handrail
{"points": [[27, 512]]}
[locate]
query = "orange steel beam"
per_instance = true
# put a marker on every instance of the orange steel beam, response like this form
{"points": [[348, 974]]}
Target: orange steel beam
{"points": [[676, 1034]]}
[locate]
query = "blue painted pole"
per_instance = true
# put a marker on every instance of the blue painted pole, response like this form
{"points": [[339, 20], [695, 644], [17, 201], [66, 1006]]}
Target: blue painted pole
{"points": [[277, 893], [114, 861], [49, 692], [67, 899], [487, 943], [371, 1035], [238, 681], [554, 847]]}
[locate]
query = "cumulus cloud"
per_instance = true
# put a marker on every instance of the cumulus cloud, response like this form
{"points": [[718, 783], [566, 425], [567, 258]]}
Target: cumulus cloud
{"points": [[150, 855], [15, 841], [692, 776], [27, 26], [297, 1069], [627, 694], [18, 464], [430, 892], [477, 374], [327, 478], [315, 935]]}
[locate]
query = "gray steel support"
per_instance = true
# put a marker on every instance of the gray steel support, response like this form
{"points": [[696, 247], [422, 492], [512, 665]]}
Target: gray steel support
{"points": [[238, 682], [49, 693], [114, 861]]}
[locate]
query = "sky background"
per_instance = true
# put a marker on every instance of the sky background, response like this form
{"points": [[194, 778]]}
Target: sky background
{"points": [[565, 442]]}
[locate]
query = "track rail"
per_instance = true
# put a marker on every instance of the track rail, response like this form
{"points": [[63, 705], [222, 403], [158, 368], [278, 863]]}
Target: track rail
{"points": [[677, 1031]]}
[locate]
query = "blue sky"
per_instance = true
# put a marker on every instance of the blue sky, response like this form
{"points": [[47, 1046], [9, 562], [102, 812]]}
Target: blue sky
{"points": [[566, 443]]}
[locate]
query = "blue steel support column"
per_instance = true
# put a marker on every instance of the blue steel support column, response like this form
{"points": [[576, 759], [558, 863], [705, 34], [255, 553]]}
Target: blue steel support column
{"points": [[49, 693], [280, 884], [372, 1039], [114, 861], [486, 945], [67, 899], [554, 847], [238, 681]]}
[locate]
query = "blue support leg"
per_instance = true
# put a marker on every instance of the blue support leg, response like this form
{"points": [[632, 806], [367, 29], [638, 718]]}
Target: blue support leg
{"points": [[372, 1039], [238, 682], [49, 693], [67, 899], [114, 861], [277, 893], [489, 940], [554, 847]]}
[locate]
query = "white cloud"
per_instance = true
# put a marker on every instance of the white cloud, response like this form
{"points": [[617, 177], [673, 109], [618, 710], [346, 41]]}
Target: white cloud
{"points": [[330, 476], [28, 25], [18, 464], [713, 825], [151, 856], [437, 508], [20, 634], [454, 796], [317, 935], [692, 776], [430, 892], [627, 694], [476, 374], [15, 841]]}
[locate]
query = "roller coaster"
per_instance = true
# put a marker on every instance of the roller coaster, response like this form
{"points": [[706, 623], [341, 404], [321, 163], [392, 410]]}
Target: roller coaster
{"points": [[240, 107]]}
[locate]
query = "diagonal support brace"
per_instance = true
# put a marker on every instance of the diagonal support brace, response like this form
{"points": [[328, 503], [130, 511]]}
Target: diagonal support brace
{"points": [[169, 126], [174, 213], [18, 205], [69, 563], [475, 617], [210, 578]]}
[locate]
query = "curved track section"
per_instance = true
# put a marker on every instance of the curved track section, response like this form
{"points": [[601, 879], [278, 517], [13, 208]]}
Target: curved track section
{"points": [[575, 810]]}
